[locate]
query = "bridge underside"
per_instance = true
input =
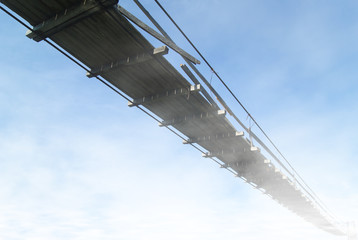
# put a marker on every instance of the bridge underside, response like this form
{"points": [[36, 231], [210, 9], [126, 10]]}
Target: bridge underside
{"points": [[99, 36]]}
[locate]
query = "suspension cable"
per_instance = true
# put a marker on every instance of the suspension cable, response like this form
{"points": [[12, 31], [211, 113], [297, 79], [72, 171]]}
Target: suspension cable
{"points": [[239, 102], [157, 25]]}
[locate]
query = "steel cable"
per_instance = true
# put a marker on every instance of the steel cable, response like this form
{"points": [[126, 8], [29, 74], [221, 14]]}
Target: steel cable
{"points": [[243, 107]]}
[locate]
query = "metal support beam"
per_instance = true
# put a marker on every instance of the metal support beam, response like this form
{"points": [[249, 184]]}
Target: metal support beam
{"points": [[67, 18], [174, 121], [213, 137], [136, 59], [155, 34], [169, 93]]}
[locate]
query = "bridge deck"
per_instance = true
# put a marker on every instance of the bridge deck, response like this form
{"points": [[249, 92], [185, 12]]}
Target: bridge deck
{"points": [[103, 37]]}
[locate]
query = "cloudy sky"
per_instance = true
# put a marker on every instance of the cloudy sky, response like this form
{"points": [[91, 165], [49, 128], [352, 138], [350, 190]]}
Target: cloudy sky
{"points": [[77, 163]]}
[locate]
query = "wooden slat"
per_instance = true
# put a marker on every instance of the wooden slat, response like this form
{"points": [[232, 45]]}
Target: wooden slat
{"points": [[66, 18]]}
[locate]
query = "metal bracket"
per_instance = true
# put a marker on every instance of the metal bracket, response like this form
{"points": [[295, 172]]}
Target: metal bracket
{"points": [[267, 161], [225, 165], [255, 149]]}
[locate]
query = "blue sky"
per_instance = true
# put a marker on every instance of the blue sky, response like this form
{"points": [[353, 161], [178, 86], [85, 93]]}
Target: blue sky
{"points": [[77, 163]]}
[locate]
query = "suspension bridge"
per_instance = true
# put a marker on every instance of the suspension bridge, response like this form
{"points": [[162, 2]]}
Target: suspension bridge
{"points": [[105, 40]]}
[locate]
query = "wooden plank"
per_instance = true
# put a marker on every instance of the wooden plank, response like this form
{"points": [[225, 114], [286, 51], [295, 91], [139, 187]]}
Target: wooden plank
{"points": [[174, 121], [221, 154], [67, 18], [169, 93], [136, 59], [214, 138]]}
